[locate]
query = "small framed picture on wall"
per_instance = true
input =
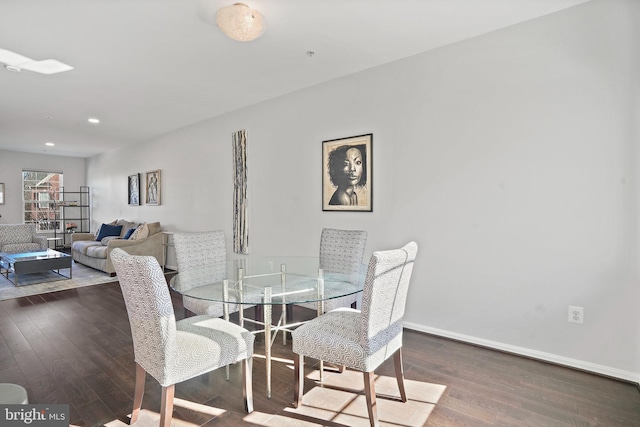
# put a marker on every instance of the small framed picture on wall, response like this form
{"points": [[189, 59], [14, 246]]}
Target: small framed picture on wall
{"points": [[347, 176], [153, 188], [134, 189]]}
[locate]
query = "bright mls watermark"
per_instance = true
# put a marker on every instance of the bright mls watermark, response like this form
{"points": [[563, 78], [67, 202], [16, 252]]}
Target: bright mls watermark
{"points": [[34, 415]]}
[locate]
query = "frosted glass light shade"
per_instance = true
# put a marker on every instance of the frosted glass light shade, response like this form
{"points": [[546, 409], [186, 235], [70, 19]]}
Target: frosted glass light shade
{"points": [[240, 22]]}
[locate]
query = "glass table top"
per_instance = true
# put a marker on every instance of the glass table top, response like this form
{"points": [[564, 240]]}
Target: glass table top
{"points": [[31, 256], [289, 280]]}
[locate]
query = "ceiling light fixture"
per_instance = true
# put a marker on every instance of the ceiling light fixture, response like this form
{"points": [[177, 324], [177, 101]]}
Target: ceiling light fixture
{"points": [[93, 120], [16, 62], [240, 22], [49, 144]]}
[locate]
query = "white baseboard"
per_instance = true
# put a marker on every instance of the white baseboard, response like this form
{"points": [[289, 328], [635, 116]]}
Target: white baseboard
{"points": [[633, 377]]}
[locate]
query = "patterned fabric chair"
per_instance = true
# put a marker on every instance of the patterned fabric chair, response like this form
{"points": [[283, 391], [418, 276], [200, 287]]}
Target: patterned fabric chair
{"points": [[341, 251], [202, 254], [16, 238], [170, 351], [362, 340]]}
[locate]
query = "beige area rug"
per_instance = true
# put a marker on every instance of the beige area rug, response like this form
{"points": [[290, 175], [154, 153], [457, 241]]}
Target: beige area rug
{"points": [[339, 403], [41, 283]]}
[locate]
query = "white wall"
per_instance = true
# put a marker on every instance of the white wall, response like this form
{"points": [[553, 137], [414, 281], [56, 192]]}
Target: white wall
{"points": [[510, 158], [11, 165]]}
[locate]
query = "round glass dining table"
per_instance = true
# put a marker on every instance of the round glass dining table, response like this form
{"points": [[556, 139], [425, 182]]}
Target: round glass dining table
{"points": [[268, 281]]}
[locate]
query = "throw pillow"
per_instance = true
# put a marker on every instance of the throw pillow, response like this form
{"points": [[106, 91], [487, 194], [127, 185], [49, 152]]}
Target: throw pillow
{"points": [[107, 239], [126, 225], [97, 233], [135, 233], [129, 233], [141, 232], [108, 230], [154, 228]]}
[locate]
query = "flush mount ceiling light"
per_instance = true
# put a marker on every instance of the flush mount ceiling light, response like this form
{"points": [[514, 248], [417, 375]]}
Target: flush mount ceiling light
{"points": [[240, 22], [15, 62]]}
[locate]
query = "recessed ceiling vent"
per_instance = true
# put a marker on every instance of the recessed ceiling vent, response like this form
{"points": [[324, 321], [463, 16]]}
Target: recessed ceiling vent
{"points": [[15, 62]]}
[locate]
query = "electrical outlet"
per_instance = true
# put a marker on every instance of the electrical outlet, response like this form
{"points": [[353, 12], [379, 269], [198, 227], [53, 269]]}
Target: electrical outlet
{"points": [[576, 314]]}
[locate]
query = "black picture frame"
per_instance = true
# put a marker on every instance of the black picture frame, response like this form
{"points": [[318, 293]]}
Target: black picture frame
{"points": [[133, 185], [347, 174]]}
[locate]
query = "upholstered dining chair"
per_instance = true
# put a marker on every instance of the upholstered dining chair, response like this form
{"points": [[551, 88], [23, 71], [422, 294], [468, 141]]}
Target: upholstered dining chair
{"points": [[174, 351], [203, 254], [362, 340], [341, 251]]}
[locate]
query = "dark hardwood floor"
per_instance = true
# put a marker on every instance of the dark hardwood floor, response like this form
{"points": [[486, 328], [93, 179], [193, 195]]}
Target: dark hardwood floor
{"points": [[74, 347]]}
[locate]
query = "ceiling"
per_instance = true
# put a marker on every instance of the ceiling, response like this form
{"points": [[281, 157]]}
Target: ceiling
{"points": [[147, 67]]}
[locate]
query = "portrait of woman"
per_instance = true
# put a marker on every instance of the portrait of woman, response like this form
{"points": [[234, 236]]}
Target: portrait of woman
{"points": [[347, 172], [346, 168]]}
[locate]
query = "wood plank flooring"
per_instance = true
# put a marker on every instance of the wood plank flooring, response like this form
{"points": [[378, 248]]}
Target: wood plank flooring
{"points": [[74, 347]]}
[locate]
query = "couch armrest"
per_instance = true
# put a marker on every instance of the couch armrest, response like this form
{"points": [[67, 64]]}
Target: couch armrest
{"points": [[149, 246], [82, 236], [41, 240]]}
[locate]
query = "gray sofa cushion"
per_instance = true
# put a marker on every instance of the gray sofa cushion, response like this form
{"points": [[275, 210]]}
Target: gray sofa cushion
{"points": [[82, 246], [90, 248], [96, 251]]}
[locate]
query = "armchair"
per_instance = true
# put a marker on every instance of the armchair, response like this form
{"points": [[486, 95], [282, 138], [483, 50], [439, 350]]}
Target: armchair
{"points": [[16, 238]]}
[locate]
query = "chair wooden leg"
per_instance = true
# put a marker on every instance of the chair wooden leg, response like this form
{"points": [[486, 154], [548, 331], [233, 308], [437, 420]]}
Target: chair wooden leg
{"points": [[298, 388], [370, 394], [247, 389], [138, 393], [166, 405], [397, 362]]}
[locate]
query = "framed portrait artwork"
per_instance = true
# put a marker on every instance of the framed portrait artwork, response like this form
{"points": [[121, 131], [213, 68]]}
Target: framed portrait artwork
{"points": [[134, 189], [153, 188], [347, 178], [1, 193]]}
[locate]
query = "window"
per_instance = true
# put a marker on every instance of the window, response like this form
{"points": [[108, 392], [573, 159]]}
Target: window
{"points": [[41, 192]]}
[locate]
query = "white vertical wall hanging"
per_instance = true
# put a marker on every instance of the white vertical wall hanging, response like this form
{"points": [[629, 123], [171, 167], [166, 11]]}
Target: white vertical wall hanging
{"points": [[240, 225]]}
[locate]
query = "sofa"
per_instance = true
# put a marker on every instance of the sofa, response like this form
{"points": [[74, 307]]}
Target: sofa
{"points": [[94, 250], [15, 238]]}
